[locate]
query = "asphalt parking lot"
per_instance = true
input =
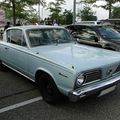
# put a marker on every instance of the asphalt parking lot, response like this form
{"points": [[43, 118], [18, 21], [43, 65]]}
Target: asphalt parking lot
{"points": [[20, 100]]}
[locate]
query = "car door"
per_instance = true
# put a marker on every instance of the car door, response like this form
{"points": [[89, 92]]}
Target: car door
{"points": [[16, 50]]}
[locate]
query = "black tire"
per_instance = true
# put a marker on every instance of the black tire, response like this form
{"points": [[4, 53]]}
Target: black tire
{"points": [[48, 89], [2, 67]]}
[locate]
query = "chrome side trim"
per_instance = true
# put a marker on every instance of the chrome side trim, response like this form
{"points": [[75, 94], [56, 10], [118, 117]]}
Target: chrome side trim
{"points": [[18, 72], [81, 92]]}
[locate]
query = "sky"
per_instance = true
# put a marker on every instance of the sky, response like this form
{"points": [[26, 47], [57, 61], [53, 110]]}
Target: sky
{"points": [[100, 13]]}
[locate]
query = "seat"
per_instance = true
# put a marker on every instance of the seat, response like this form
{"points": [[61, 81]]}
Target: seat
{"points": [[34, 41]]}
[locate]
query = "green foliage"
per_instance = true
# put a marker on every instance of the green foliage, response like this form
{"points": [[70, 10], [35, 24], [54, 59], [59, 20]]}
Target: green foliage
{"points": [[87, 14], [23, 9], [93, 1], [66, 17], [56, 12], [55, 9], [88, 1], [108, 6], [116, 12]]}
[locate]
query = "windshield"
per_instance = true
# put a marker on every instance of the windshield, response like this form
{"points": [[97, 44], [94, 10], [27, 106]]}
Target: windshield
{"points": [[38, 37], [108, 32]]}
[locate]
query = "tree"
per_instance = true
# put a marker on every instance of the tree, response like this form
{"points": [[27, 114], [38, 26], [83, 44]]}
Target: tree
{"points": [[116, 12], [87, 14], [88, 1], [18, 7], [29, 15], [67, 17], [55, 9], [108, 6]]}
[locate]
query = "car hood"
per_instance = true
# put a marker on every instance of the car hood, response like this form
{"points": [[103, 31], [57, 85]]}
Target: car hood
{"points": [[77, 57]]}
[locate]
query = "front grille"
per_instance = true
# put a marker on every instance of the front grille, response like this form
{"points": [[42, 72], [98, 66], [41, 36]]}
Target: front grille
{"points": [[92, 75], [118, 69]]}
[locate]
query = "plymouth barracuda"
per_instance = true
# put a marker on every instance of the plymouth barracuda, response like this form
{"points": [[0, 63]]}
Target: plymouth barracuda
{"points": [[49, 56]]}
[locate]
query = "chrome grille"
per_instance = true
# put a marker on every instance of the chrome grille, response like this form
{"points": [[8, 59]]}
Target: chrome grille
{"points": [[92, 75], [118, 69]]}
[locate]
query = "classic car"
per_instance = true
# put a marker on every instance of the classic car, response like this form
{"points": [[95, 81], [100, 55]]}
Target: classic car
{"points": [[51, 58], [96, 35]]}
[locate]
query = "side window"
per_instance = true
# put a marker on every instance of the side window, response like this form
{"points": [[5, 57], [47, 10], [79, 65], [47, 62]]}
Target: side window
{"points": [[73, 30], [70, 29], [15, 36], [88, 34], [35, 37], [8, 35]]}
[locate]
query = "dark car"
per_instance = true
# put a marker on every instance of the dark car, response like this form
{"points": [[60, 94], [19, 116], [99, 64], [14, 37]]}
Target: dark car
{"points": [[115, 23], [96, 35]]}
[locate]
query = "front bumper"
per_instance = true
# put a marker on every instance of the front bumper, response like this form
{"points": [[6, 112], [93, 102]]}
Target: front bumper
{"points": [[92, 88]]}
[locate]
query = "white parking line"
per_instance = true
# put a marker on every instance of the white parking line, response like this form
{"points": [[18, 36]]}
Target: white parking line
{"points": [[11, 107]]}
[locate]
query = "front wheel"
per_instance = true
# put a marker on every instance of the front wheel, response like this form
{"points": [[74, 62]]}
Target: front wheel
{"points": [[48, 89]]}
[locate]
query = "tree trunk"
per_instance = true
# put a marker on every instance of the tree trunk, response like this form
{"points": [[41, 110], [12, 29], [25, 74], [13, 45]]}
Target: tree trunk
{"points": [[110, 7]]}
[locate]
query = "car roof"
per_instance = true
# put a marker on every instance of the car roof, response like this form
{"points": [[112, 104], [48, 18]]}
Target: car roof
{"points": [[88, 22], [27, 27], [85, 25]]}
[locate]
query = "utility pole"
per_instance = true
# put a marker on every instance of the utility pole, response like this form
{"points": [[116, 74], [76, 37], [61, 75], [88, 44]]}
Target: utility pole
{"points": [[74, 11], [14, 15], [39, 11]]}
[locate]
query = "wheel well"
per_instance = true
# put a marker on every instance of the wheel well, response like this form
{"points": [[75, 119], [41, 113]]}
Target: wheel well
{"points": [[40, 72]]}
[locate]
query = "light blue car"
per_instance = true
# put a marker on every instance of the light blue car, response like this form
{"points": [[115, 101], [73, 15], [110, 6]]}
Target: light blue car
{"points": [[49, 56]]}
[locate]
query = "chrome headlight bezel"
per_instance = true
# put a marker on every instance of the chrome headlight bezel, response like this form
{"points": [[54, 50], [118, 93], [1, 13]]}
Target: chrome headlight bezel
{"points": [[80, 80]]}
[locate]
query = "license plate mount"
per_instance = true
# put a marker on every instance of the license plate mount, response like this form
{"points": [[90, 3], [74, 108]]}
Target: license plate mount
{"points": [[107, 90]]}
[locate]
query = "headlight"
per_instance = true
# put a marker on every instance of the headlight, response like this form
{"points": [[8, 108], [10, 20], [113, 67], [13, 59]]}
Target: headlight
{"points": [[80, 80]]}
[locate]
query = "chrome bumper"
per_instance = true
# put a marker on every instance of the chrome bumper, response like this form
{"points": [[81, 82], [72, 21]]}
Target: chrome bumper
{"points": [[92, 88]]}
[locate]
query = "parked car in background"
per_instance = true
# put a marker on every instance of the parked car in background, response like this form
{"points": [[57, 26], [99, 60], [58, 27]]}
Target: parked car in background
{"points": [[49, 56], [115, 23], [96, 35], [89, 22]]}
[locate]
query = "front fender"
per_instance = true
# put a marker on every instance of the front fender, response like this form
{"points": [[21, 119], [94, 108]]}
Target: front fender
{"points": [[64, 80], [46, 71]]}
